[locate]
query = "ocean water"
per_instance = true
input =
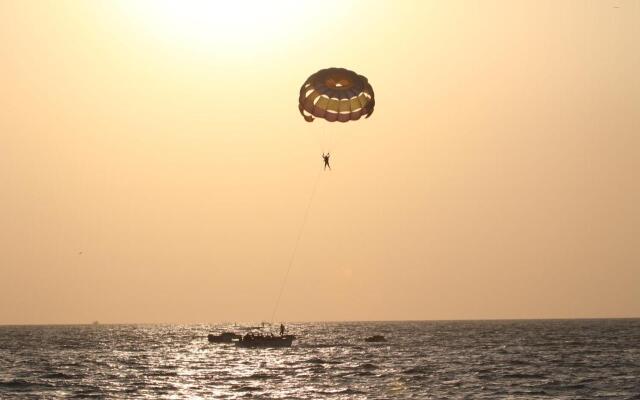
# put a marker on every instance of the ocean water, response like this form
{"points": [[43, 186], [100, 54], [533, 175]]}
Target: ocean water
{"points": [[550, 359]]}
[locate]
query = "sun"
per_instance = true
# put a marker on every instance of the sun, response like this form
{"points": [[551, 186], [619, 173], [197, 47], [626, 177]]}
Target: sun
{"points": [[236, 24]]}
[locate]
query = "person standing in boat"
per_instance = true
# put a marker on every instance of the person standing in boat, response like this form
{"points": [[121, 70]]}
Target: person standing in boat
{"points": [[281, 329]]}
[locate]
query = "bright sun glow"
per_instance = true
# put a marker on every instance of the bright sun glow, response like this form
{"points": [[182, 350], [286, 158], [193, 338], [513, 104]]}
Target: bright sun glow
{"points": [[227, 23]]}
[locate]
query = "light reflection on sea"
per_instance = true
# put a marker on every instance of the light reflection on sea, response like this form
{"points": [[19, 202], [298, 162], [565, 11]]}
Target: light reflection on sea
{"points": [[481, 359]]}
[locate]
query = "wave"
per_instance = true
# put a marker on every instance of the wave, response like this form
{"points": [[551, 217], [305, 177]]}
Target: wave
{"points": [[260, 376], [317, 360], [15, 383], [524, 376], [60, 375], [416, 370], [347, 391], [23, 384], [161, 373], [246, 388]]}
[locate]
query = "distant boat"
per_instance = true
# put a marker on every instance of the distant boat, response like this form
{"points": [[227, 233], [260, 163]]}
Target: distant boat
{"points": [[95, 323], [265, 341], [375, 338], [224, 337]]}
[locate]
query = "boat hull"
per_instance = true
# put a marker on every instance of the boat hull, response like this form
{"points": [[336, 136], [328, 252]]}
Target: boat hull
{"points": [[267, 342], [226, 337]]}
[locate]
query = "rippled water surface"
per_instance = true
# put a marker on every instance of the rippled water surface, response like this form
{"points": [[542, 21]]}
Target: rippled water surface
{"points": [[484, 359]]}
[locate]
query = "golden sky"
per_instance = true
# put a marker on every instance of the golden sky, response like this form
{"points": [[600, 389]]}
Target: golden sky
{"points": [[154, 166]]}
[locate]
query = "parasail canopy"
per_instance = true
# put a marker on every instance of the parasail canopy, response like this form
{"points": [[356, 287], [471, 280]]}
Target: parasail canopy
{"points": [[336, 94]]}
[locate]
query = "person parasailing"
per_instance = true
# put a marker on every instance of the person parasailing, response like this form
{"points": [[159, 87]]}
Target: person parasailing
{"points": [[325, 157], [335, 94]]}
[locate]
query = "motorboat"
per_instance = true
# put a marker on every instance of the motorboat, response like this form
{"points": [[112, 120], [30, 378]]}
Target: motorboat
{"points": [[224, 337], [375, 338]]}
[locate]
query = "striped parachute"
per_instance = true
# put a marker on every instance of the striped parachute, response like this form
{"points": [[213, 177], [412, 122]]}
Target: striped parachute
{"points": [[336, 94]]}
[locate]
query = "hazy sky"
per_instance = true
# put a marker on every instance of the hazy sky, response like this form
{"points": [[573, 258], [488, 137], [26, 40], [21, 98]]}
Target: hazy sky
{"points": [[154, 166]]}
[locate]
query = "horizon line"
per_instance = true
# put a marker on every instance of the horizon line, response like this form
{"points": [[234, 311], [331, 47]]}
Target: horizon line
{"points": [[323, 321]]}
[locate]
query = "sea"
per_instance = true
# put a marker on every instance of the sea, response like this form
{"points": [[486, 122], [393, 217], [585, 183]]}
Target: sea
{"points": [[519, 359]]}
